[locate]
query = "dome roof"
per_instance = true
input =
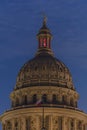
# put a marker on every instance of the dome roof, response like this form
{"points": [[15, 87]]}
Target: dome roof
{"points": [[44, 70]]}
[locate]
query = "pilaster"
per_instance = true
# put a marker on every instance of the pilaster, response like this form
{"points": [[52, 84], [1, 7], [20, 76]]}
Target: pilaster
{"points": [[50, 123], [23, 123], [13, 124], [64, 123], [75, 127]]}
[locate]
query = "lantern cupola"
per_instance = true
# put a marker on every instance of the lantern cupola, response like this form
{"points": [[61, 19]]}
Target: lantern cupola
{"points": [[44, 37]]}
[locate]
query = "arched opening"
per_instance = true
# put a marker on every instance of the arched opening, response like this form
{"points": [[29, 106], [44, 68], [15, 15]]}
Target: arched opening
{"points": [[25, 99], [71, 102], [71, 125], [54, 99], [76, 104], [79, 125], [9, 125], [16, 125], [34, 98], [64, 100], [44, 99], [17, 102], [27, 124]]}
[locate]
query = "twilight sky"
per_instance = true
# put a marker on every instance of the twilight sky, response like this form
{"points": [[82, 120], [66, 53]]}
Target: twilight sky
{"points": [[20, 21]]}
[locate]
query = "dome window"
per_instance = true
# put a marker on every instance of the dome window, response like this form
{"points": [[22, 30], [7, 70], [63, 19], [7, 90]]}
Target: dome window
{"points": [[71, 125], [16, 125], [34, 98], [71, 102], [36, 68], [54, 99], [17, 101], [9, 126], [64, 99], [61, 69], [25, 99], [44, 98]]}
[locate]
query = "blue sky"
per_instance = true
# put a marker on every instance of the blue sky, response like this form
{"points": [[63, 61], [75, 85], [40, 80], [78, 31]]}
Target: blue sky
{"points": [[20, 21]]}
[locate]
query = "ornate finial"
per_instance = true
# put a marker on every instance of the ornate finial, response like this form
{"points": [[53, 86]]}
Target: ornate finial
{"points": [[44, 20]]}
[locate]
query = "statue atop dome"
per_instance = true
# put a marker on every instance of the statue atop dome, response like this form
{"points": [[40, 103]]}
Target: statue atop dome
{"points": [[44, 20]]}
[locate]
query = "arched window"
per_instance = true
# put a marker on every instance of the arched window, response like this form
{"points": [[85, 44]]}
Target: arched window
{"points": [[71, 102], [54, 99], [71, 125], [25, 99], [75, 103], [27, 124], [16, 125], [44, 98], [34, 98], [79, 125], [64, 99], [61, 69], [9, 125], [43, 67], [17, 101], [36, 68]]}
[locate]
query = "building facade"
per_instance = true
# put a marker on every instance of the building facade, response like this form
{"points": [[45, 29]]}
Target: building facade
{"points": [[44, 97]]}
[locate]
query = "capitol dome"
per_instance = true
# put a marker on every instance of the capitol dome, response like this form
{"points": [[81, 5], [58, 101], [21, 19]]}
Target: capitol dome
{"points": [[44, 77], [44, 97], [44, 68]]}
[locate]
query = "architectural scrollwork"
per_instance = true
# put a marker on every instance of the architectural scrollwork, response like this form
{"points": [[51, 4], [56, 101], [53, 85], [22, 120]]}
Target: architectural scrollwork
{"points": [[55, 123], [33, 123]]}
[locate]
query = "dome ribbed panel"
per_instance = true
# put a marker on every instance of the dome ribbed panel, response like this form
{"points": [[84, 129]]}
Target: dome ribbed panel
{"points": [[44, 69]]}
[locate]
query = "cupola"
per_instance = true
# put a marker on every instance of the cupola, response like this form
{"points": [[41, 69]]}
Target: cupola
{"points": [[44, 37]]}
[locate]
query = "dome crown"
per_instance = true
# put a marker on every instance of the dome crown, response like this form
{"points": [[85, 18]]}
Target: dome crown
{"points": [[44, 70]]}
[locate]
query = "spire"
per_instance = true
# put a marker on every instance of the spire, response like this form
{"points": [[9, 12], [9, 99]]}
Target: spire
{"points": [[44, 37]]}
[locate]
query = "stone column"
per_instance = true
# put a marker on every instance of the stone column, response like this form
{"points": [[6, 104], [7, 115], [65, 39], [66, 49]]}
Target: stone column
{"points": [[37, 123], [13, 124], [50, 123], [50, 98], [60, 98], [63, 123], [19, 125], [82, 125], [75, 124]]}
